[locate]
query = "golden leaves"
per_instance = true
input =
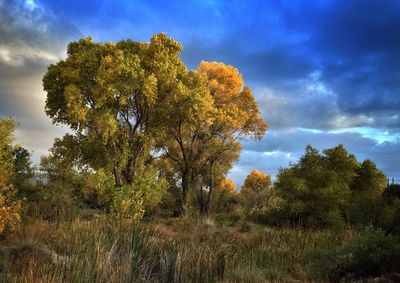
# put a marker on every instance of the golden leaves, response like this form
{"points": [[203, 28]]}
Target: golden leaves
{"points": [[9, 208], [75, 105], [256, 181], [227, 185], [237, 109]]}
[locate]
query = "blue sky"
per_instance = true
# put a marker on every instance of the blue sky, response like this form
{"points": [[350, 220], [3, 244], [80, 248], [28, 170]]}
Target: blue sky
{"points": [[323, 72]]}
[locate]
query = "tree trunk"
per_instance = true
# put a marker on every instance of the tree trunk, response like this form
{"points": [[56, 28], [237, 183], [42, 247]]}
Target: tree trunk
{"points": [[211, 188], [186, 185], [116, 176]]}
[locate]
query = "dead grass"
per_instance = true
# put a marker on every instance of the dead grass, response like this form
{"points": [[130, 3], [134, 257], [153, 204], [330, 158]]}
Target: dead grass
{"points": [[173, 250]]}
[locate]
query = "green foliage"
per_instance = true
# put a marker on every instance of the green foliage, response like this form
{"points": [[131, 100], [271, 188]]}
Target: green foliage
{"points": [[391, 193], [53, 202], [56, 194], [328, 189], [372, 253], [23, 172], [144, 193], [367, 187], [388, 217], [169, 205], [98, 189]]}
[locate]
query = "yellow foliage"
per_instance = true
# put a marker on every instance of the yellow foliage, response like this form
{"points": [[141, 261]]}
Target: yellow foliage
{"points": [[256, 181], [238, 112], [228, 186], [9, 208], [225, 82], [9, 212]]}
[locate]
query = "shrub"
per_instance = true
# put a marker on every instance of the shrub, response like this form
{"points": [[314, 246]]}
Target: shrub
{"points": [[9, 206], [373, 253]]}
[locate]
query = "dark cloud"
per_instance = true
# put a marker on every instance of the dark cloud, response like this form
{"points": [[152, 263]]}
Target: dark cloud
{"points": [[353, 45], [358, 46]]}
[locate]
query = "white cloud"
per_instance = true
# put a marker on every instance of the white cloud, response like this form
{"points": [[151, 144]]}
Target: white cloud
{"points": [[17, 56], [31, 4]]}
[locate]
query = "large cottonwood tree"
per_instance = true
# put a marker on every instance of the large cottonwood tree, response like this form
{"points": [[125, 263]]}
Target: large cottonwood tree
{"points": [[118, 99], [124, 100], [208, 144]]}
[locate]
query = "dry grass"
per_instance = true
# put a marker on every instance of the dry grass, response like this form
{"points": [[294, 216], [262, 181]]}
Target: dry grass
{"points": [[164, 251]]}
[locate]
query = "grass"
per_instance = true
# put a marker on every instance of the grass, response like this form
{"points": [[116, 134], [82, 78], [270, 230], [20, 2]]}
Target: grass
{"points": [[161, 251]]}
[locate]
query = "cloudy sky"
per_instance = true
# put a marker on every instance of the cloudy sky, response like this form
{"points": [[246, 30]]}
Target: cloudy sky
{"points": [[323, 72]]}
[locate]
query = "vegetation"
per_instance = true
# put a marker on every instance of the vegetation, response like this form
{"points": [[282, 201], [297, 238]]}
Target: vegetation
{"points": [[138, 192], [9, 205]]}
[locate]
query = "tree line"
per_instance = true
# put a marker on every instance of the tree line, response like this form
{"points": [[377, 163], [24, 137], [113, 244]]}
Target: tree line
{"points": [[151, 138]]}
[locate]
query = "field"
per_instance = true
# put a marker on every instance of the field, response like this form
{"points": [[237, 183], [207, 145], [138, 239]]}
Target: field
{"points": [[183, 250]]}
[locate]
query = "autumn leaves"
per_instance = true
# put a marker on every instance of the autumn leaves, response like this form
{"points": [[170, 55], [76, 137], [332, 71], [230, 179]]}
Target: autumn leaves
{"points": [[134, 106]]}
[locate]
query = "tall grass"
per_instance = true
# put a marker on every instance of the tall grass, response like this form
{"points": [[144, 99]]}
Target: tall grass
{"points": [[167, 251]]}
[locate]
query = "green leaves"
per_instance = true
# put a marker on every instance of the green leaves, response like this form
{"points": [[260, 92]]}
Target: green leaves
{"points": [[325, 189]]}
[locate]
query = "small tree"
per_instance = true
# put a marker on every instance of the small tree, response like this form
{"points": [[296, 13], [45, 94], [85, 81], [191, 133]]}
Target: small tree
{"points": [[254, 192], [367, 188], [225, 197], [329, 189]]}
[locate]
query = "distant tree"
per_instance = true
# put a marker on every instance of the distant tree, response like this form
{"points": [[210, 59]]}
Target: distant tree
{"points": [[392, 192], [255, 192], [9, 206], [225, 197], [369, 180], [329, 188], [24, 172], [367, 188], [56, 194]]}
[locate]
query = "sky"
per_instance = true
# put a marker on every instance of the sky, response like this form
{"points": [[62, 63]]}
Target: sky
{"points": [[323, 72]]}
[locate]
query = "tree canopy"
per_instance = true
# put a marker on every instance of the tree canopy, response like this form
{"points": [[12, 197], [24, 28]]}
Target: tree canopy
{"points": [[326, 189], [125, 101]]}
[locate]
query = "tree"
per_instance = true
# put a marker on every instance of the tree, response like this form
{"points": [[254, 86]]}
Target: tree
{"points": [[9, 206], [254, 192], [328, 188], [202, 148], [118, 99], [23, 172], [224, 197], [367, 188], [115, 98]]}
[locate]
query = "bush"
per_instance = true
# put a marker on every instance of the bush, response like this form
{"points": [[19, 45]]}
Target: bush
{"points": [[9, 206], [373, 253], [52, 202]]}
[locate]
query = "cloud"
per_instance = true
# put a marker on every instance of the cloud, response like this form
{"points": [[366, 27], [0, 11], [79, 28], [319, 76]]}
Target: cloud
{"points": [[30, 39], [323, 73], [279, 148], [353, 47], [31, 34]]}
